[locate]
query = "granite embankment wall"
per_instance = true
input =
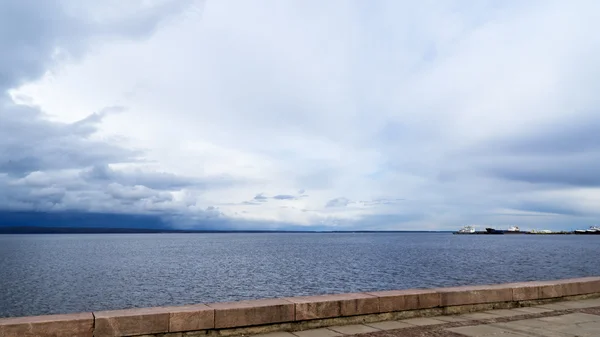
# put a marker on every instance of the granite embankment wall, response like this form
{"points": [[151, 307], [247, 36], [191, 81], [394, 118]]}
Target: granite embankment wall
{"points": [[297, 313]]}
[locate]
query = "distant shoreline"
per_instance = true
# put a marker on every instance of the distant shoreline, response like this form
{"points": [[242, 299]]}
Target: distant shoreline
{"points": [[98, 230]]}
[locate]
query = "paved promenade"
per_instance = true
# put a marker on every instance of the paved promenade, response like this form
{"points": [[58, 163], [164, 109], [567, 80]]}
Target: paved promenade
{"points": [[562, 319]]}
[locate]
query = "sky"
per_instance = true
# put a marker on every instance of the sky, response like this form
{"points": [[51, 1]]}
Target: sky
{"points": [[303, 114]]}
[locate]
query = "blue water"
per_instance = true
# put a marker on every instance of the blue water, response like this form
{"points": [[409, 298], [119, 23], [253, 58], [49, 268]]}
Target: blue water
{"points": [[46, 274]]}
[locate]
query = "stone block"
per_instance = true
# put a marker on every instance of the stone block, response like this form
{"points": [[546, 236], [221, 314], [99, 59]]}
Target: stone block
{"points": [[131, 322], [359, 304], [570, 287], [316, 307], [410, 299], [550, 289], [566, 287], [249, 313], [327, 306], [80, 325], [191, 318], [580, 286], [475, 295], [525, 291]]}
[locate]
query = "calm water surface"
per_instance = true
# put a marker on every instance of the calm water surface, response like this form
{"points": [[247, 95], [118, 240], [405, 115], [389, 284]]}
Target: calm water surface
{"points": [[45, 274]]}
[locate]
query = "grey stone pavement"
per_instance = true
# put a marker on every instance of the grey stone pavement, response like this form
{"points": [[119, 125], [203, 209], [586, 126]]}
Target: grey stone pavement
{"points": [[562, 319]]}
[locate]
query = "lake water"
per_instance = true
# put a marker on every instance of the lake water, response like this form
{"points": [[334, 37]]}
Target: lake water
{"points": [[46, 274]]}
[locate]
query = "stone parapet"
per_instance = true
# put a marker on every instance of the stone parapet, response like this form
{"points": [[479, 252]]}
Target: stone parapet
{"points": [[328, 306], [81, 325], [296, 313], [250, 313]]}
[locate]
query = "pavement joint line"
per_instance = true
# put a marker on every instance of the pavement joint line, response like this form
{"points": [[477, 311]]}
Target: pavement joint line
{"points": [[330, 329]]}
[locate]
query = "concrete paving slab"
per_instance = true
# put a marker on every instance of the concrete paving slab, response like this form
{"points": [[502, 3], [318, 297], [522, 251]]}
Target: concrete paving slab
{"points": [[532, 310], [276, 334], [389, 325], [514, 328], [478, 316], [422, 321], [353, 329], [505, 312], [553, 306], [533, 323], [317, 333], [580, 304], [569, 329], [590, 328], [530, 331], [553, 332], [593, 302], [450, 319], [479, 330], [544, 333], [562, 326], [571, 318]]}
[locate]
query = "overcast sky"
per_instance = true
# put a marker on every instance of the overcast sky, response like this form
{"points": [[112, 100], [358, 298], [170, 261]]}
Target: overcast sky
{"points": [[277, 114]]}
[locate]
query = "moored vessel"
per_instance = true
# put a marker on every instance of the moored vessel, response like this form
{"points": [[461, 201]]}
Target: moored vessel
{"points": [[591, 230], [467, 230], [513, 230], [510, 230]]}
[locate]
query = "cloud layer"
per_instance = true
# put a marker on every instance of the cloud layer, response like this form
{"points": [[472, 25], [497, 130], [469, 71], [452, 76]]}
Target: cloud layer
{"points": [[270, 114]]}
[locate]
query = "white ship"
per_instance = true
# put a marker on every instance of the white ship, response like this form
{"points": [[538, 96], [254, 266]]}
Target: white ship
{"points": [[592, 229], [467, 230]]}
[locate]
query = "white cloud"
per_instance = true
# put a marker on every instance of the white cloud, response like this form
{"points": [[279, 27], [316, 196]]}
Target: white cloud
{"points": [[350, 101]]}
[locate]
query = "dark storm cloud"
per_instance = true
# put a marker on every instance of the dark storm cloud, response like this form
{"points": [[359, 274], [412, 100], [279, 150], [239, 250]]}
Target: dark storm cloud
{"points": [[154, 180], [49, 191], [566, 153], [135, 193], [563, 137], [547, 207], [581, 172], [34, 33], [261, 197], [285, 197], [30, 143], [36, 154], [31, 30], [79, 219]]}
